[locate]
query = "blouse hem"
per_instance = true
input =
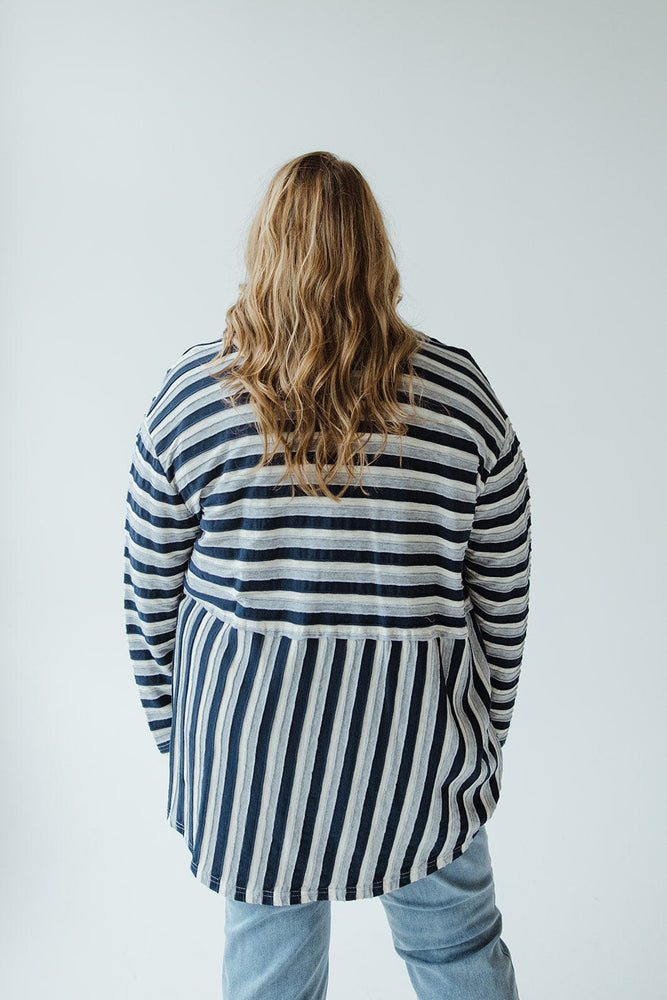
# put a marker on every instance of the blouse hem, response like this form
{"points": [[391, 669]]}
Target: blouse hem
{"points": [[274, 897]]}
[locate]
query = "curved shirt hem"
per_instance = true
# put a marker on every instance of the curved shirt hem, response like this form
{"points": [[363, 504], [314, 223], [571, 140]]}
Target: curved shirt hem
{"points": [[369, 890]]}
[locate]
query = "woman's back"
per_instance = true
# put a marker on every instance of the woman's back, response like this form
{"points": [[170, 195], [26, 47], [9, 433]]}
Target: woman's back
{"points": [[344, 671]]}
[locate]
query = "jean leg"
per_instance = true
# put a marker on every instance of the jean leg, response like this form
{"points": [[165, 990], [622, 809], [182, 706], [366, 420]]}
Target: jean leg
{"points": [[446, 927], [276, 952]]}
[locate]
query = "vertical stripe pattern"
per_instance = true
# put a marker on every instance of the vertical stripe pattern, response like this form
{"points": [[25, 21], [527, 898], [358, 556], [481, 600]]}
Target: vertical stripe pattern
{"points": [[333, 682]]}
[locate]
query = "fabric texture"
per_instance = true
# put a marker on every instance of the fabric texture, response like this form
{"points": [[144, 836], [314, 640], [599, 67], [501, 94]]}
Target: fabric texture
{"points": [[333, 681], [446, 928]]}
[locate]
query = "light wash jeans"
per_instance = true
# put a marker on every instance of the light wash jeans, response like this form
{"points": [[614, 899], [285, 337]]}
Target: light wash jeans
{"points": [[445, 926]]}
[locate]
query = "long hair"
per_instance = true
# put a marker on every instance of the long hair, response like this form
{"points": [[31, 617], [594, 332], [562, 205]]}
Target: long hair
{"points": [[319, 347]]}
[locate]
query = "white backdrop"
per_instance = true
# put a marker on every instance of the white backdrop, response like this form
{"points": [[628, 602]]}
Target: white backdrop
{"points": [[518, 151]]}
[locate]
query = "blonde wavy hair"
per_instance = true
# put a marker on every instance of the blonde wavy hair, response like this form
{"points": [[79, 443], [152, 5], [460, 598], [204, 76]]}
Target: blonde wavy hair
{"points": [[320, 349]]}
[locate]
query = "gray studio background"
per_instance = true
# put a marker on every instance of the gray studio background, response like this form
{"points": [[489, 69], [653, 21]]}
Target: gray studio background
{"points": [[518, 151]]}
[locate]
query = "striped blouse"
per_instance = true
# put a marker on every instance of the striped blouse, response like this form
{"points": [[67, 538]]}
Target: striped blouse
{"points": [[333, 681]]}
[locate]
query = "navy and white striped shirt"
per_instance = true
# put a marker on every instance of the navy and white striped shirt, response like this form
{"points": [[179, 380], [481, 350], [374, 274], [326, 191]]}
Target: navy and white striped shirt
{"points": [[333, 681]]}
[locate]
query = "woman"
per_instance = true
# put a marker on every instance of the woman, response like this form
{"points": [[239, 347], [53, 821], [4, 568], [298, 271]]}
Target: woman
{"points": [[326, 596]]}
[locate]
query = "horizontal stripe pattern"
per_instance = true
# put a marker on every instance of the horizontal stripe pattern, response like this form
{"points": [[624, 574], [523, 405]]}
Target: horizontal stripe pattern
{"points": [[334, 682]]}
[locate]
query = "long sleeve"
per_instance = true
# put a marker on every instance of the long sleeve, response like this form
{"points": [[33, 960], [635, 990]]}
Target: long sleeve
{"points": [[160, 532], [497, 574]]}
